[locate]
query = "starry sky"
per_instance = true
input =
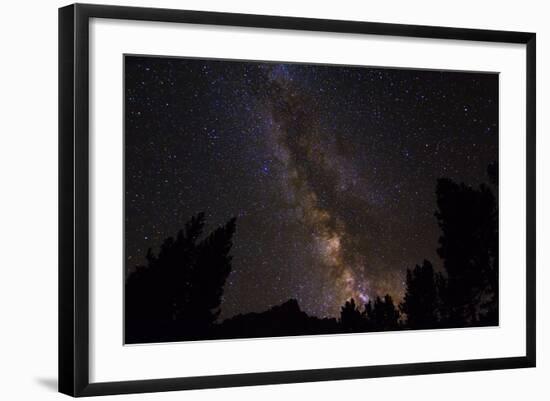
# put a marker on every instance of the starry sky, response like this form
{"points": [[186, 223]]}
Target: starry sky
{"points": [[330, 170]]}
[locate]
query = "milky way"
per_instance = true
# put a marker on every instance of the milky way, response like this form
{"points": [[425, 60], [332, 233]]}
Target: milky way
{"points": [[314, 171], [330, 170]]}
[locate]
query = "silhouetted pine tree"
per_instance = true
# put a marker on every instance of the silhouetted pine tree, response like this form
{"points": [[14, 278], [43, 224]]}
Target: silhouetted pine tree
{"points": [[351, 318], [420, 303], [382, 314], [490, 317], [178, 294], [468, 219], [199, 305]]}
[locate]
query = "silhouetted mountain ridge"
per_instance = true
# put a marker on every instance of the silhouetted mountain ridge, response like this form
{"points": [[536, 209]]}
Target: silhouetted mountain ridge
{"points": [[286, 319]]}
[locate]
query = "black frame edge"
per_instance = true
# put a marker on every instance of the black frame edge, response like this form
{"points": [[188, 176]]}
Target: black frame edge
{"points": [[66, 340], [81, 198], [301, 23], [301, 376], [73, 280], [73, 201], [531, 201]]}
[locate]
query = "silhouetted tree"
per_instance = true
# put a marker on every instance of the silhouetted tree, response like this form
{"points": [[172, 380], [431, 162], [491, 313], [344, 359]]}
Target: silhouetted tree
{"points": [[382, 314], [468, 219], [351, 318], [200, 306], [441, 287], [178, 293], [420, 302], [491, 304]]}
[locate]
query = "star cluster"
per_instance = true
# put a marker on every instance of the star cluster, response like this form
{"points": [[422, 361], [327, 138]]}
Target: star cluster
{"points": [[330, 170]]}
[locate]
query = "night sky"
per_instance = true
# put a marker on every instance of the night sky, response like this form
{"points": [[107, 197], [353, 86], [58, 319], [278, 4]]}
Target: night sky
{"points": [[330, 170]]}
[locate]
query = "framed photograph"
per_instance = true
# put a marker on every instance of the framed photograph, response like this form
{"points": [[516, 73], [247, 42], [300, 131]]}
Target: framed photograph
{"points": [[248, 199]]}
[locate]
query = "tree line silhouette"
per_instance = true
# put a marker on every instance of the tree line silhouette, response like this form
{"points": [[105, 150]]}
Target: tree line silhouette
{"points": [[177, 295]]}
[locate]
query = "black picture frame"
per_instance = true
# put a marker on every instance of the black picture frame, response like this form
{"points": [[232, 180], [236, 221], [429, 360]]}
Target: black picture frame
{"points": [[74, 198]]}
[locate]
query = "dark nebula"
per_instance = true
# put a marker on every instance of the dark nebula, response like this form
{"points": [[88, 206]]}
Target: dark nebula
{"points": [[330, 170]]}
